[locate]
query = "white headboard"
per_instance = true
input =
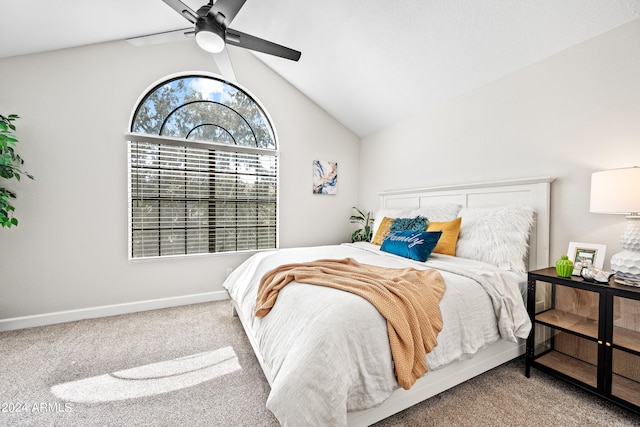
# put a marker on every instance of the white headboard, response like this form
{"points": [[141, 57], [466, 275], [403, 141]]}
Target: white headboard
{"points": [[533, 192]]}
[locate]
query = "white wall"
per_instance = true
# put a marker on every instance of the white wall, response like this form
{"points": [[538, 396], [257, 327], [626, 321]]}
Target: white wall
{"points": [[70, 250], [567, 116]]}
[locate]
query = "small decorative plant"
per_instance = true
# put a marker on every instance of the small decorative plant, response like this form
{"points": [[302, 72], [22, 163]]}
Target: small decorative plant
{"points": [[365, 220], [10, 167]]}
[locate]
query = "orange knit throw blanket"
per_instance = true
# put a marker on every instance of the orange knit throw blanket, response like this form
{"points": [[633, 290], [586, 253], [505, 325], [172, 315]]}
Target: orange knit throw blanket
{"points": [[407, 298]]}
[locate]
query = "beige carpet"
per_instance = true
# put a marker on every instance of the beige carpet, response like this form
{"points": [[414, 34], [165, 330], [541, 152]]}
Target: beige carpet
{"points": [[193, 366]]}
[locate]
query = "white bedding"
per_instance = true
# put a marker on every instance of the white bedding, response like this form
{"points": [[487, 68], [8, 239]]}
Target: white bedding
{"points": [[328, 350]]}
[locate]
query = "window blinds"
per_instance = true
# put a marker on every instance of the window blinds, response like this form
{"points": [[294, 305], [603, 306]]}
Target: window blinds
{"points": [[200, 198]]}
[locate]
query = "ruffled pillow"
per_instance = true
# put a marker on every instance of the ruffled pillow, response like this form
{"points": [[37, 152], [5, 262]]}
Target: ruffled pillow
{"points": [[418, 223], [498, 236], [388, 213]]}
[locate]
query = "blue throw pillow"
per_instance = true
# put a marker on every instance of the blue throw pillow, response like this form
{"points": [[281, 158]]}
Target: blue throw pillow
{"points": [[412, 244], [418, 223]]}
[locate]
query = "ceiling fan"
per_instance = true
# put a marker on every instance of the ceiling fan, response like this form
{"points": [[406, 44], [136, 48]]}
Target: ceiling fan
{"points": [[212, 33]]}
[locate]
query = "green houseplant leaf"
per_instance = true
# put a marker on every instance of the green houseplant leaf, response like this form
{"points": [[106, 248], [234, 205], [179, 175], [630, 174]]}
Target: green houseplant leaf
{"points": [[10, 163], [365, 221]]}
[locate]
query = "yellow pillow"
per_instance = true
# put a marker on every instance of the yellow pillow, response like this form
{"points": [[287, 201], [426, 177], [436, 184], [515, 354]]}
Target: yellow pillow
{"points": [[450, 231], [383, 230]]}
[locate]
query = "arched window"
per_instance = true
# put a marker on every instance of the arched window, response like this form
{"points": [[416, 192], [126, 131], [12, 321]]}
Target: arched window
{"points": [[203, 170]]}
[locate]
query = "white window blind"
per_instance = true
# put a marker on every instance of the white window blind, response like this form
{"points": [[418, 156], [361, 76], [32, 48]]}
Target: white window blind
{"points": [[187, 200]]}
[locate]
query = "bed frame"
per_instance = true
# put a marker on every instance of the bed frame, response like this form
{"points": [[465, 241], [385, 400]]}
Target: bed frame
{"points": [[533, 192]]}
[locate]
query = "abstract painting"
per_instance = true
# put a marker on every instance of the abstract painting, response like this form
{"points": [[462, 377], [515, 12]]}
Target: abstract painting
{"points": [[325, 177]]}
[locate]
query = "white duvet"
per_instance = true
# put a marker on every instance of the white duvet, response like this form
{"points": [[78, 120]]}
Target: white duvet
{"points": [[328, 350]]}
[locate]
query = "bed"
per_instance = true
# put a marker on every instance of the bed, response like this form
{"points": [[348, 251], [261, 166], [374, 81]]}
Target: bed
{"points": [[326, 353]]}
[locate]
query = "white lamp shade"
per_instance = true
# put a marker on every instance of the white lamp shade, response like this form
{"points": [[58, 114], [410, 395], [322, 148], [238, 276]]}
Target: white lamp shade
{"points": [[616, 191]]}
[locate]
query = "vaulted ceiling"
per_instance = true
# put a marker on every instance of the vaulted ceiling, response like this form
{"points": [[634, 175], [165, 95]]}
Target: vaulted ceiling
{"points": [[367, 62]]}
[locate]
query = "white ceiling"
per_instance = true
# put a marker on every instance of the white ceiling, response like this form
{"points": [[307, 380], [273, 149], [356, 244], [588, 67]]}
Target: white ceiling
{"points": [[367, 62]]}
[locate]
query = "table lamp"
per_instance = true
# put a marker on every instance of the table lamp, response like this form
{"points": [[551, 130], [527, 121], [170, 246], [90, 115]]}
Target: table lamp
{"points": [[617, 191]]}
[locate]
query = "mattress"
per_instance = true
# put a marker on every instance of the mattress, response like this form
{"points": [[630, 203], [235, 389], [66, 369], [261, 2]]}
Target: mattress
{"points": [[327, 351]]}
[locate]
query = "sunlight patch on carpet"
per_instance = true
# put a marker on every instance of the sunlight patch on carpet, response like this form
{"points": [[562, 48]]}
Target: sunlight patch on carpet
{"points": [[152, 379]]}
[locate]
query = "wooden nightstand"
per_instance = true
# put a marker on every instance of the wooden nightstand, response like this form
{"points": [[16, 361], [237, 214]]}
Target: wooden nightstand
{"points": [[587, 334]]}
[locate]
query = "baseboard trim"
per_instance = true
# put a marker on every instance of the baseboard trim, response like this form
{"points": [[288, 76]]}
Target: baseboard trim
{"points": [[107, 310]]}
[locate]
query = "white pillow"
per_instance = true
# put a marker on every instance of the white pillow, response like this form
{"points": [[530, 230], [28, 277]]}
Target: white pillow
{"points": [[438, 213], [498, 236]]}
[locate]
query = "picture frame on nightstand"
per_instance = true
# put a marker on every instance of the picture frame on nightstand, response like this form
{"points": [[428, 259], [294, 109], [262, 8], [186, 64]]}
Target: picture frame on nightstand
{"points": [[580, 253]]}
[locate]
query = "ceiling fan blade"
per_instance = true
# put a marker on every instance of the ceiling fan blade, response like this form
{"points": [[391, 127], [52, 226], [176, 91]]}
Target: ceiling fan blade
{"points": [[160, 38], [224, 65], [228, 8], [183, 10], [247, 41]]}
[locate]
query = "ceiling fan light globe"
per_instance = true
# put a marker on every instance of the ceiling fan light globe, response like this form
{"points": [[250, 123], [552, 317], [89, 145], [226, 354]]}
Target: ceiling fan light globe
{"points": [[209, 37], [210, 42]]}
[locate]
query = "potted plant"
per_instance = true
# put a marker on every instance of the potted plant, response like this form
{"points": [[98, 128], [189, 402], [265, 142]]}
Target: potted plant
{"points": [[365, 221], [10, 163]]}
